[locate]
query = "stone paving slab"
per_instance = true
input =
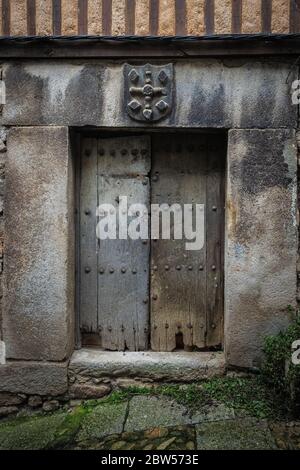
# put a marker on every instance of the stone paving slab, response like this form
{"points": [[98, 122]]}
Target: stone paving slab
{"points": [[146, 412], [104, 420], [218, 412], [146, 422], [245, 434], [177, 438]]}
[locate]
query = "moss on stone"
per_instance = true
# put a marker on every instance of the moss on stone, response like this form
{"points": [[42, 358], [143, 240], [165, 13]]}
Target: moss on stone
{"points": [[245, 434], [218, 399], [30, 434], [105, 419], [146, 412], [278, 370], [248, 394], [68, 429], [119, 396]]}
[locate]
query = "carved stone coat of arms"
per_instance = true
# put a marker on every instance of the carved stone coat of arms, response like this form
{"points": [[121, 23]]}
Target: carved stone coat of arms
{"points": [[148, 91]]}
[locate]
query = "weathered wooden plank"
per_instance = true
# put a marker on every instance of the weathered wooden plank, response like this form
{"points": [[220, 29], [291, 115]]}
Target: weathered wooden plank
{"points": [[152, 48], [106, 17], [154, 17], [82, 17], [178, 276], [209, 16], [130, 7], [294, 16], [266, 16], [236, 18], [88, 240], [56, 17], [180, 17], [31, 18], [215, 238], [6, 18], [123, 264]]}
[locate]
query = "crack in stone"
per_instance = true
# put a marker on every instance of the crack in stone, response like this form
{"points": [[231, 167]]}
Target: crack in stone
{"points": [[126, 415]]}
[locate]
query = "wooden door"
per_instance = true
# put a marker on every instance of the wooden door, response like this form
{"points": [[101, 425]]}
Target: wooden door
{"points": [[114, 274], [187, 286], [141, 294]]}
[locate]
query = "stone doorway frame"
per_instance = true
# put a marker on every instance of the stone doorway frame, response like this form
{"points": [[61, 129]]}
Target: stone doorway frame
{"points": [[260, 280], [99, 133]]}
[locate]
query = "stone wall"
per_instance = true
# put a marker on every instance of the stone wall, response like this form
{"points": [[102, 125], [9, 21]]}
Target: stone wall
{"points": [[38, 320], [248, 97], [2, 190], [94, 374], [148, 17], [261, 252], [210, 93], [261, 229]]}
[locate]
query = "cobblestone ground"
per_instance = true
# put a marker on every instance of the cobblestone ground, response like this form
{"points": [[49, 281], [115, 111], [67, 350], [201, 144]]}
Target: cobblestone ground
{"points": [[177, 438], [147, 423]]}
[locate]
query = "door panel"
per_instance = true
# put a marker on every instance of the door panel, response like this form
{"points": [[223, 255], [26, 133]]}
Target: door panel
{"points": [[87, 237], [123, 286], [186, 286], [120, 313], [215, 243]]}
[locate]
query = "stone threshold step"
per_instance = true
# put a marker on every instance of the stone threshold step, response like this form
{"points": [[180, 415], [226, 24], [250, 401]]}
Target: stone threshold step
{"points": [[155, 366]]}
